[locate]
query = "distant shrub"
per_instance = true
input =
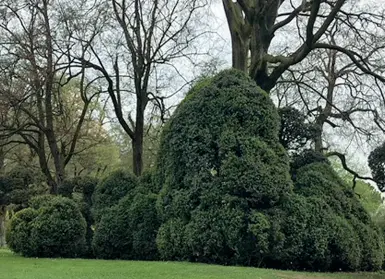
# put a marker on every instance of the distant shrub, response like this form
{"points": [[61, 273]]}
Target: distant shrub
{"points": [[128, 230], [295, 132], [111, 189]]}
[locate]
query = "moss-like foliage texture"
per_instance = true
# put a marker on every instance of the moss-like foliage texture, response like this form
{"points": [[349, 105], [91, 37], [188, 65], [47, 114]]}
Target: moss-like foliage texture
{"points": [[227, 193], [81, 189], [54, 229], [111, 189], [322, 225], [220, 160], [128, 230]]}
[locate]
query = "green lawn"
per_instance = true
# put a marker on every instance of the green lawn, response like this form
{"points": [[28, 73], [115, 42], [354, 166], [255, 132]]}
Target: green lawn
{"points": [[15, 267]]}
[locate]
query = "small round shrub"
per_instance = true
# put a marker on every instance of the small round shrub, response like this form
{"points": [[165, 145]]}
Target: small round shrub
{"points": [[59, 229], [111, 189], [53, 227], [128, 230], [354, 241], [19, 232]]}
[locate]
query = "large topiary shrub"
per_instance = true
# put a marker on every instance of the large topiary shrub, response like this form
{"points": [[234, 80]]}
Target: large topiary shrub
{"points": [[220, 160], [111, 189], [128, 230], [55, 229]]}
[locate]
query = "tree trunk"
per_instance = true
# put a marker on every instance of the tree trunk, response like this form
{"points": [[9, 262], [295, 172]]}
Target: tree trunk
{"points": [[3, 214], [240, 34], [318, 147], [58, 162], [240, 48], [137, 147]]}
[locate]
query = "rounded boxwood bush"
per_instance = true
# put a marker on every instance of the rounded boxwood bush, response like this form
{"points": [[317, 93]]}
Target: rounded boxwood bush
{"points": [[55, 229], [355, 243], [19, 232], [59, 229], [219, 157], [128, 230], [111, 189]]}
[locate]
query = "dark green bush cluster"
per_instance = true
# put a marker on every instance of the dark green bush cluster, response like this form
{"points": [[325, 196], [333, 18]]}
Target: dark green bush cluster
{"points": [[53, 227], [295, 132], [81, 189], [19, 185], [128, 230], [223, 191], [376, 162], [128, 219], [220, 160], [355, 243], [111, 189]]}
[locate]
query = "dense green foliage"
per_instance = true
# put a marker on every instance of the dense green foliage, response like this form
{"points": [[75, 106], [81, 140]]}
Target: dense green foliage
{"points": [[294, 131], [19, 185], [19, 232], [223, 191], [226, 190], [377, 165], [342, 234], [111, 189], [219, 160], [80, 189], [55, 229], [128, 230]]}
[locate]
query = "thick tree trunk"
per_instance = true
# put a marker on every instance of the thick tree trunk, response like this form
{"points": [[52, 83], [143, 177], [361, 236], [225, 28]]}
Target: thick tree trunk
{"points": [[3, 214], [240, 48], [240, 35], [137, 148], [137, 143]]}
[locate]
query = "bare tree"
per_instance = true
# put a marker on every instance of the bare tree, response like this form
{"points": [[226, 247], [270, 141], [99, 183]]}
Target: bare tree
{"points": [[139, 54], [31, 85], [333, 92]]}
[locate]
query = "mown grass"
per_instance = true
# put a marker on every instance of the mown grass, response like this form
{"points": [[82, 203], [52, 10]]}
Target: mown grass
{"points": [[16, 267]]}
